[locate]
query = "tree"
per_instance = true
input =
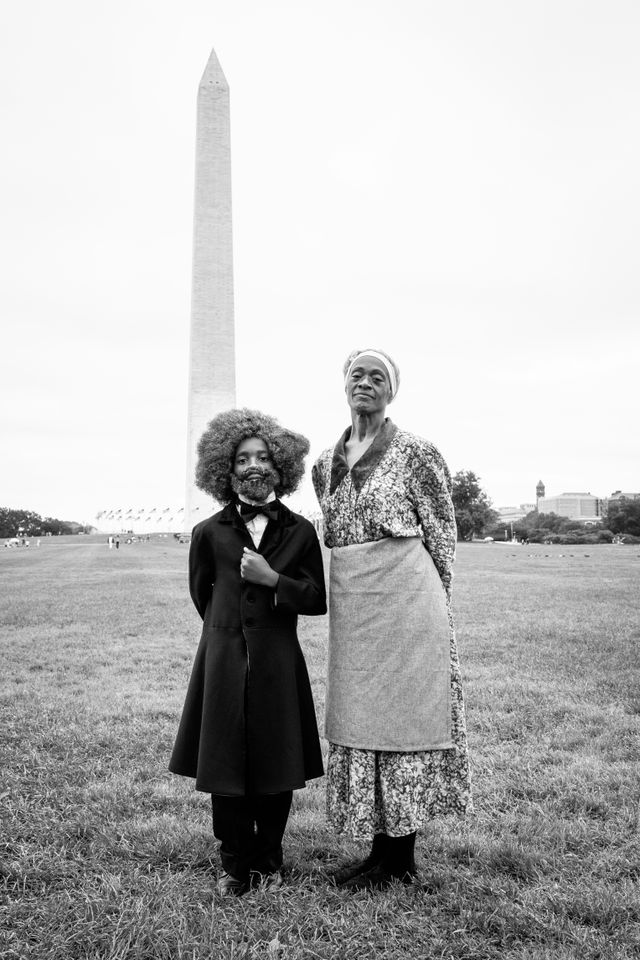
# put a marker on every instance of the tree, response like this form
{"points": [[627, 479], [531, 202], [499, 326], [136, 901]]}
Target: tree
{"points": [[57, 527], [13, 520], [552, 528], [473, 507], [31, 524], [623, 516], [552, 521]]}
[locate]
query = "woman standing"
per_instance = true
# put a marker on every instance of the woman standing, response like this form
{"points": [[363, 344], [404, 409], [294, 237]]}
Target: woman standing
{"points": [[395, 711]]}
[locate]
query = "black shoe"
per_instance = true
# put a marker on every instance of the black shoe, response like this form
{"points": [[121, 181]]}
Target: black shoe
{"points": [[399, 858], [228, 886], [378, 877], [375, 878], [346, 873], [350, 870]]}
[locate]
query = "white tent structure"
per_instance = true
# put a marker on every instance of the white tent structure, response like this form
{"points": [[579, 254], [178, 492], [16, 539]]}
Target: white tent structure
{"points": [[143, 521]]}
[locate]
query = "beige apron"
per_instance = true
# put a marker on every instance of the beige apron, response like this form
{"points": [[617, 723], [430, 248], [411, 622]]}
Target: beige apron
{"points": [[388, 685]]}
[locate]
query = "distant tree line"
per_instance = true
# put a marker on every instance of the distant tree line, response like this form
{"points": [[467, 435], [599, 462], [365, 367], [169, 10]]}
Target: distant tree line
{"points": [[621, 522], [475, 517], [33, 525]]}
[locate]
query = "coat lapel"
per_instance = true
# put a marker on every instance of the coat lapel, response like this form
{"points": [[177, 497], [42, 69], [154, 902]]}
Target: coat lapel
{"points": [[229, 515], [274, 531]]}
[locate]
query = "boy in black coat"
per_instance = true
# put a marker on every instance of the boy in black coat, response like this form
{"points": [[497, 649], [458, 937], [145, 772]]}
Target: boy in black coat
{"points": [[248, 732]]}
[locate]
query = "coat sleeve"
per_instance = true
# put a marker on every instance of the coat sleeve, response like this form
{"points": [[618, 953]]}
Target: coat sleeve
{"points": [[305, 593], [430, 489], [202, 572]]}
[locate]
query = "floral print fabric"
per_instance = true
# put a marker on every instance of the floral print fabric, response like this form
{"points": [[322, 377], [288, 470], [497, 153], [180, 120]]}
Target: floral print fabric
{"points": [[402, 488]]}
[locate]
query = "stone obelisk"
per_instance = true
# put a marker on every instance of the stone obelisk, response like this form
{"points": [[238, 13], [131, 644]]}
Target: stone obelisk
{"points": [[212, 378]]}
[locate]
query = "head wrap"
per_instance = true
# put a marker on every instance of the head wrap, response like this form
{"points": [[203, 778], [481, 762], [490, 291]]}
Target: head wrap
{"points": [[386, 362]]}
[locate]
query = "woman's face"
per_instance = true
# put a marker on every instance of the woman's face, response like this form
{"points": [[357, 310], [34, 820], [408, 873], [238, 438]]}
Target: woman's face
{"points": [[368, 387]]}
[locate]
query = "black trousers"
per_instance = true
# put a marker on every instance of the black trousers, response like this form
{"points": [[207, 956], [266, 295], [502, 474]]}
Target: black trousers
{"points": [[250, 830]]}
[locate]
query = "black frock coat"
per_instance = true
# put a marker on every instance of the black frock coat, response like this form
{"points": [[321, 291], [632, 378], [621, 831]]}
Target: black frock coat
{"points": [[248, 723]]}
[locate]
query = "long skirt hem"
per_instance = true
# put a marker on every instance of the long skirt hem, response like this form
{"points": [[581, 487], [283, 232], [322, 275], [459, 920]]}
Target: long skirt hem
{"points": [[373, 791]]}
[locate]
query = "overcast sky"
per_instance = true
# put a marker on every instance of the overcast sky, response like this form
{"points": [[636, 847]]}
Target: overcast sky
{"points": [[455, 182]]}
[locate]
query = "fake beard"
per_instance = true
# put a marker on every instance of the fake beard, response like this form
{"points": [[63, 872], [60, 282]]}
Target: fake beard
{"points": [[258, 485]]}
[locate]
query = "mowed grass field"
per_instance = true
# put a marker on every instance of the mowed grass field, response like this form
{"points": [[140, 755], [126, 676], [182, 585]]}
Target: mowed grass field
{"points": [[104, 854]]}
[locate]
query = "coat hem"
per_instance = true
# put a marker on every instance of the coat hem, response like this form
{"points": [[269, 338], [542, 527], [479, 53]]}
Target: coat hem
{"points": [[297, 785]]}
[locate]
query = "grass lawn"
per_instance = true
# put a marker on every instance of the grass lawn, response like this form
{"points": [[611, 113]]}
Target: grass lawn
{"points": [[104, 854]]}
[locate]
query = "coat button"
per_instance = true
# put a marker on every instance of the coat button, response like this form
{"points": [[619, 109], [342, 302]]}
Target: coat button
{"points": [[251, 598], [249, 622]]}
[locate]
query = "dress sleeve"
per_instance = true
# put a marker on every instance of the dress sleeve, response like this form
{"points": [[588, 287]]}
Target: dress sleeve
{"points": [[430, 491], [202, 572], [317, 478]]}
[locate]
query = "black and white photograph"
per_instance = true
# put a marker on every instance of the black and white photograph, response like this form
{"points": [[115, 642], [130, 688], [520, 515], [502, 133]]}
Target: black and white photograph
{"points": [[320, 496]]}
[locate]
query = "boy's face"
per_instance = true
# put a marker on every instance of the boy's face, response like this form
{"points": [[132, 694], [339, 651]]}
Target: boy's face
{"points": [[254, 475]]}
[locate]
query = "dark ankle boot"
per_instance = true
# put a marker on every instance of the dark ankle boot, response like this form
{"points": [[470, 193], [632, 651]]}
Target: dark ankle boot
{"points": [[399, 858], [376, 856], [398, 863]]}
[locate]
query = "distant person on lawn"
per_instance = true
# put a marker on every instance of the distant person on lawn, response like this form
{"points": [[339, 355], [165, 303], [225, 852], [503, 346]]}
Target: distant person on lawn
{"points": [[248, 731], [394, 712]]}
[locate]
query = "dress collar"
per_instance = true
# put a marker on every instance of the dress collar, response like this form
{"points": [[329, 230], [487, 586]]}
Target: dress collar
{"points": [[364, 465]]}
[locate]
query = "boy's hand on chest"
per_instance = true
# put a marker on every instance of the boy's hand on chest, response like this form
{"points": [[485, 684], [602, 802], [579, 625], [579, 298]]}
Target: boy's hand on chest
{"points": [[255, 569]]}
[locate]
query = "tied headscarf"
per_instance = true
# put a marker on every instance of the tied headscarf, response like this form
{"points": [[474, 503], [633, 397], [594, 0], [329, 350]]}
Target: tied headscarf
{"points": [[385, 362]]}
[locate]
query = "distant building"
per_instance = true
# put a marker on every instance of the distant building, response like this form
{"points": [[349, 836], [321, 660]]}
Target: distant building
{"points": [[511, 514], [583, 507]]}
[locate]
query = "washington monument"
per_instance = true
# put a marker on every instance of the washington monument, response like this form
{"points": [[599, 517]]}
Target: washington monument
{"points": [[212, 378]]}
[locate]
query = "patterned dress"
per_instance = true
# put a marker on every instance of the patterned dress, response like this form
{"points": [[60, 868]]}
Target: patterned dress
{"points": [[400, 487]]}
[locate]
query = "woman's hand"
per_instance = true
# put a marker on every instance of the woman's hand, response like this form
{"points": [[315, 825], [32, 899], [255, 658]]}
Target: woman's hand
{"points": [[255, 569]]}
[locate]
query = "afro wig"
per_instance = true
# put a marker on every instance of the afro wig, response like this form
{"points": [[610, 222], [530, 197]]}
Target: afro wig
{"points": [[218, 444]]}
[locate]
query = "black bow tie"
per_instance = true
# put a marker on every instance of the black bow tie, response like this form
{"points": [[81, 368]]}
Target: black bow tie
{"points": [[250, 510]]}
